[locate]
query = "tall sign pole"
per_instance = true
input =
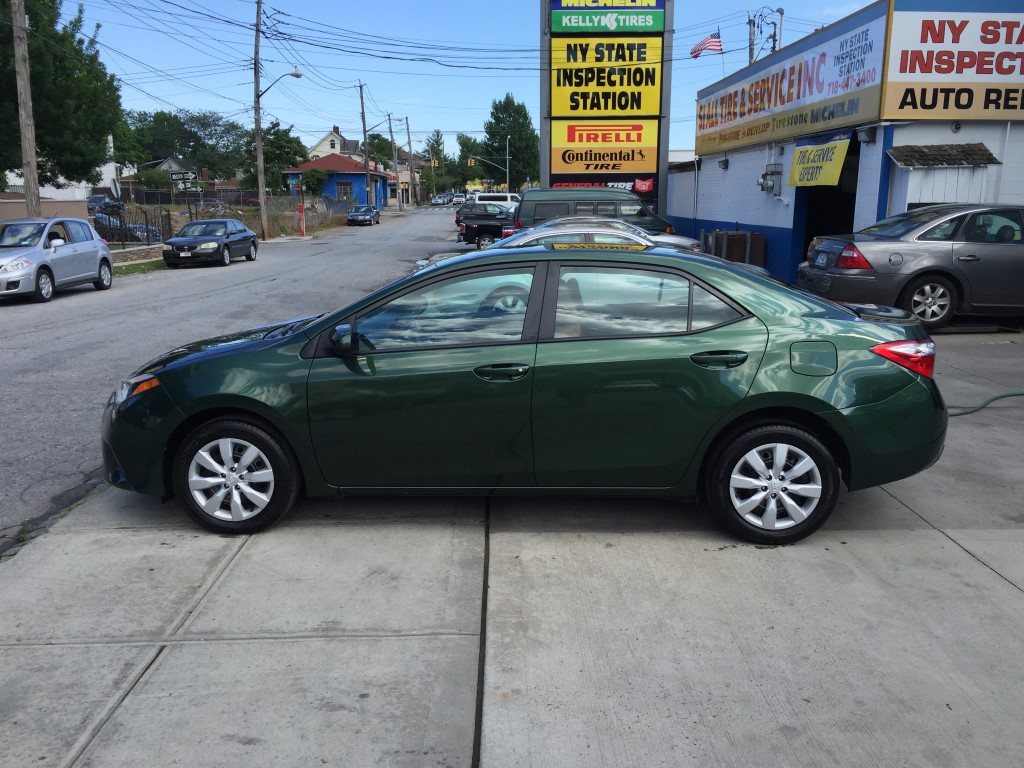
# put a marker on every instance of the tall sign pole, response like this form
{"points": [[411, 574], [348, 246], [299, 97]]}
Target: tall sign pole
{"points": [[261, 174], [414, 188], [605, 96], [26, 123]]}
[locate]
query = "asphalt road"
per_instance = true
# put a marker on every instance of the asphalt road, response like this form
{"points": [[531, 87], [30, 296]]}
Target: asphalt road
{"points": [[61, 360]]}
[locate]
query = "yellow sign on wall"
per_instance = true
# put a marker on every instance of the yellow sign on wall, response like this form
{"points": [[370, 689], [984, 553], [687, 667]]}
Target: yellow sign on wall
{"points": [[819, 165], [605, 76]]}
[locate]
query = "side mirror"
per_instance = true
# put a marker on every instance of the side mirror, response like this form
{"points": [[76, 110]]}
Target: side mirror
{"points": [[56, 242], [342, 340]]}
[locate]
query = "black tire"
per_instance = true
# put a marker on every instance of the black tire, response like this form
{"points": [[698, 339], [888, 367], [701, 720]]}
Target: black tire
{"points": [[758, 502], [482, 241], [933, 299], [251, 504], [506, 298], [105, 278], [251, 253], [225, 256], [44, 286]]}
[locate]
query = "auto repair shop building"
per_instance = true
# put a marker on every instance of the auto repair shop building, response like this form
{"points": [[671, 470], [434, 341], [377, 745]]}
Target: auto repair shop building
{"points": [[902, 104]]}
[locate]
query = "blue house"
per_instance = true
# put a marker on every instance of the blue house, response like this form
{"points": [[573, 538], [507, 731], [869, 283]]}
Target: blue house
{"points": [[346, 183]]}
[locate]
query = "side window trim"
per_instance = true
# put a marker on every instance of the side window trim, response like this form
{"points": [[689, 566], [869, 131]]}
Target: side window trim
{"points": [[547, 317], [530, 326]]}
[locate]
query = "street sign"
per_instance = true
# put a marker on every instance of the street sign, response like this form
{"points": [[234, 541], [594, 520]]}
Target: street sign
{"points": [[183, 175], [184, 186]]}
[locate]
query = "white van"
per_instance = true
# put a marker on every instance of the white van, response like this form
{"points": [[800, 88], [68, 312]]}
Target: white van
{"points": [[503, 199]]}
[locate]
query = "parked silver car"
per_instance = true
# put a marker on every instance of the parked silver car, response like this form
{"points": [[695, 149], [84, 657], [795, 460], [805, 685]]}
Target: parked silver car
{"points": [[39, 256], [661, 238], [937, 261]]}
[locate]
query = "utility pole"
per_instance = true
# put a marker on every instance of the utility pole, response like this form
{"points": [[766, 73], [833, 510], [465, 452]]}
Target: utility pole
{"points": [[261, 174], [413, 186], [508, 188], [366, 147], [26, 123], [750, 23], [394, 154]]}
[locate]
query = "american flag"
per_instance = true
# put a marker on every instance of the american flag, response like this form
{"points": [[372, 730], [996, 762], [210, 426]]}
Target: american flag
{"points": [[712, 42]]}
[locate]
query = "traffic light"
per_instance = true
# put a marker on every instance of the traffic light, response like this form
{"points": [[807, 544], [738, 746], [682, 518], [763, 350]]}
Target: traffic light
{"points": [[471, 161], [433, 163]]}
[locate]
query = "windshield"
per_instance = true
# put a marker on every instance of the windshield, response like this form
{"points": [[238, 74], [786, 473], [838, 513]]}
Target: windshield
{"points": [[361, 209], [202, 229], [20, 235], [899, 225]]}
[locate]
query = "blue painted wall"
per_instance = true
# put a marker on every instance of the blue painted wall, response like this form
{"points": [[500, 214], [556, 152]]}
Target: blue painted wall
{"points": [[379, 198]]}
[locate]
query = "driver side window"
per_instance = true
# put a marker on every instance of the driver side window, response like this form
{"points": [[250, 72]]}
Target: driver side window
{"points": [[469, 310]]}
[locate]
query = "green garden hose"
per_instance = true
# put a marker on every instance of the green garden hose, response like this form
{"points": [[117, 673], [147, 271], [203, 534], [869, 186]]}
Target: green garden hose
{"points": [[965, 411]]}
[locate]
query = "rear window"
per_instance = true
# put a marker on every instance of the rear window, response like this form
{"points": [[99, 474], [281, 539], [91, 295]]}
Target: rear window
{"points": [[542, 211]]}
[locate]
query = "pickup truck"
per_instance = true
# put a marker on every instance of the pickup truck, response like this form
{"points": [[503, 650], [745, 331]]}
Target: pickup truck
{"points": [[483, 223]]}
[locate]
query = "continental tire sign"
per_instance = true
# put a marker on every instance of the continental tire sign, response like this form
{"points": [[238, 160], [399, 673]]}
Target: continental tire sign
{"points": [[607, 146]]}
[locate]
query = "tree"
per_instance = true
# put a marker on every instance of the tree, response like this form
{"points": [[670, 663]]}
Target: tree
{"points": [[511, 119], [76, 102], [442, 174], [380, 149], [280, 150], [202, 139], [469, 147], [314, 180]]}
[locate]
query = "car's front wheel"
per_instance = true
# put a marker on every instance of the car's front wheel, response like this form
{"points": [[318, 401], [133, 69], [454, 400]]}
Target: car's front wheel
{"points": [[251, 255], [932, 298], [773, 484], [225, 256], [44, 286], [105, 278], [234, 477]]}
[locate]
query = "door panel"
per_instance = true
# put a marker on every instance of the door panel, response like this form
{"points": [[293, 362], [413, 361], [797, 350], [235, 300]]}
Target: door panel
{"points": [[630, 413], [991, 256]]}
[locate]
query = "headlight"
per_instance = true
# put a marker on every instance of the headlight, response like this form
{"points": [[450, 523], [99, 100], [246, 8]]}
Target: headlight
{"points": [[16, 265], [136, 385], [208, 247]]}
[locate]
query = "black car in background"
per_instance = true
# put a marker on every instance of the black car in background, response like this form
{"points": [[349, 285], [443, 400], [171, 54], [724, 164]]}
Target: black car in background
{"points": [[364, 214], [103, 204], [211, 240]]}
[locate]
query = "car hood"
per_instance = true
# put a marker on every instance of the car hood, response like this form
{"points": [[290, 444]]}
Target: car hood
{"points": [[232, 343], [9, 254], [194, 240]]}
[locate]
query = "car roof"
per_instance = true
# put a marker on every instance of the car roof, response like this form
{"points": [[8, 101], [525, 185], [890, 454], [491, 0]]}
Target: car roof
{"points": [[578, 252]]}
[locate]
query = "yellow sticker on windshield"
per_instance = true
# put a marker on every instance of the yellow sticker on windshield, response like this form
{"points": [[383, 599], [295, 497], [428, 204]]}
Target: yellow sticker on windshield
{"points": [[597, 247]]}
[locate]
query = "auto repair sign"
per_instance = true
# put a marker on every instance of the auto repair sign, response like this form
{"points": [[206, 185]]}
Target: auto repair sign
{"points": [[604, 146], [582, 16], [955, 63]]}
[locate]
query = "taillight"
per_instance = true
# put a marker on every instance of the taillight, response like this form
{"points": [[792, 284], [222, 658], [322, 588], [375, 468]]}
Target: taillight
{"points": [[669, 231], [916, 356], [462, 228], [519, 224], [851, 258]]}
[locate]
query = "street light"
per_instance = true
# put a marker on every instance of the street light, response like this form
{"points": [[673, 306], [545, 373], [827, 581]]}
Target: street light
{"points": [[261, 175]]}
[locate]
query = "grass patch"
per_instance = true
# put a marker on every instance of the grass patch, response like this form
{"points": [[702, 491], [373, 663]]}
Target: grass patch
{"points": [[27, 530], [138, 267]]}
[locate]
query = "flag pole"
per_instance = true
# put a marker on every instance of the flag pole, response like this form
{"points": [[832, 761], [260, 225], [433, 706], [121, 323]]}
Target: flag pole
{"points": [[722, 52]]}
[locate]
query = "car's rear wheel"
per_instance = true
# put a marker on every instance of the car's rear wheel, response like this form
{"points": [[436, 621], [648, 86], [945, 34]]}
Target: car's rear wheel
{"points": [[932, 298], [483, 241], [251, 255], [508, 298], [234, 477], [105, 278], [773, 484], [225, 256], [44, 286]]}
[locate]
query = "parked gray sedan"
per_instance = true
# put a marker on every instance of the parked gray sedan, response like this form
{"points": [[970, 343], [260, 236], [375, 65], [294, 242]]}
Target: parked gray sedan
{"points": [[937, 261], [38, 256]]}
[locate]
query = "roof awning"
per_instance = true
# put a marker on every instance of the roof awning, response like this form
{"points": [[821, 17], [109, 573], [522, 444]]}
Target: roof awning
{"points": [[942, 155]]}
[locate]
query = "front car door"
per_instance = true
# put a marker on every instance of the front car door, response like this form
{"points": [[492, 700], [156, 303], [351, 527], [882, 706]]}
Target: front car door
{"points": [[62, 257], [990, 253], [437, 393], [633, 366]]}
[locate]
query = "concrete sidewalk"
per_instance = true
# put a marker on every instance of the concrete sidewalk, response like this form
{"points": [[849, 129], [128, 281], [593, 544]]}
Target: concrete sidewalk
{"points": [[617, 632]]}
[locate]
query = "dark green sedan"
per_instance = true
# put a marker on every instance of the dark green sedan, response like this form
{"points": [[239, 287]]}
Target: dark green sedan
{"points": [[547, 370]]}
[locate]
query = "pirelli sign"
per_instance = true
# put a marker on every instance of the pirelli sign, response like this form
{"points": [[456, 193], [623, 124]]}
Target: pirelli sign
{"points": [[605, 93], [606, 146]]}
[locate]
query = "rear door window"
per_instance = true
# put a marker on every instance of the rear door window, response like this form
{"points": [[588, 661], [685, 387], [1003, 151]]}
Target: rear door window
{"points": [[78, 231], [544, 211]]}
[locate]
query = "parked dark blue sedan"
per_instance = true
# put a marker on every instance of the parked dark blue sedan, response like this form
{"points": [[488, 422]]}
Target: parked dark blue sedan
{"points": [[364, 214], [211, 240]]}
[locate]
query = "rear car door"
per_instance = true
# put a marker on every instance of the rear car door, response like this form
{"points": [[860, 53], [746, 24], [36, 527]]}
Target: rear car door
{"points": [[990, 253], [438, 393], [633, 366]]}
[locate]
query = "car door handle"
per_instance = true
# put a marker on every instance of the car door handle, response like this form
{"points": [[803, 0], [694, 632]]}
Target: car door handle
{"points": [[724, 359], [970, 257], [502, 371]]}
